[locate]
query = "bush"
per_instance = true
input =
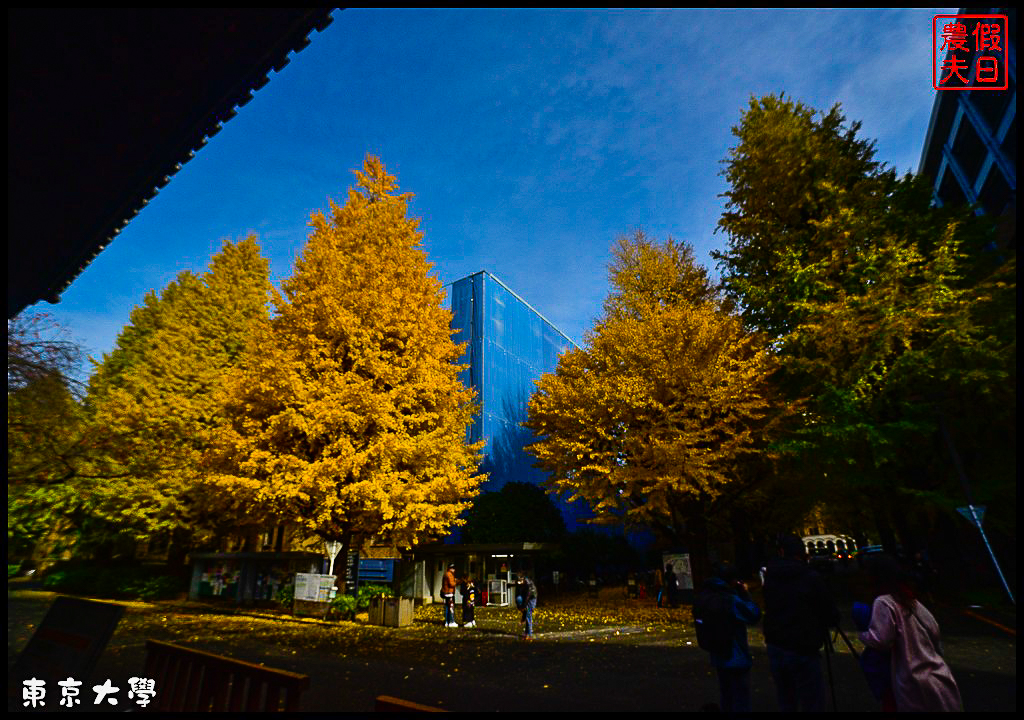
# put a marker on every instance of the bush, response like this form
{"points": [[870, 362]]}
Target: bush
{"points": [[344, 607], [156, 588], [56, 580], [366, 592], [286, 595], [125, 581], [75, 580]]}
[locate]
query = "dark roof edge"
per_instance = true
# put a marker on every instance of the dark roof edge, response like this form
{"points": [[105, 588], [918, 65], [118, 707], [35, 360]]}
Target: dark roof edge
{"points": [[275, 59]]}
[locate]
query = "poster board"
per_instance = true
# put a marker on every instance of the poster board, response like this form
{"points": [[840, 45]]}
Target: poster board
{"points": [[681, 567], [304, 586], [325, 588], [313, 587]]}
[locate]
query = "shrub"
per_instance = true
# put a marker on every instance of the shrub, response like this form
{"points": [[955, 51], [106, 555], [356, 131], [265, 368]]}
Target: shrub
{"points": [[286, 595], [125, 581], [157, 588], [55, 580], [366, 592], [344, 607], [76, 580]]}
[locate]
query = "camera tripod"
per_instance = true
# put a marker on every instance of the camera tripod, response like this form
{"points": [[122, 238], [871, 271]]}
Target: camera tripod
{"points": [[830, 639]]}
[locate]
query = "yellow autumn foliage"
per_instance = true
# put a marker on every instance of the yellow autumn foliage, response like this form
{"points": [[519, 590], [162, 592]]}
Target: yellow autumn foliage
{"points": [[152, 401], [648, 422], [348, 417]]}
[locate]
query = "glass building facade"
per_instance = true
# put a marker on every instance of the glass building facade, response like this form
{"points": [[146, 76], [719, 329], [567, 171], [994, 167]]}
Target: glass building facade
{"points": [[970, 152], [509, 345]]}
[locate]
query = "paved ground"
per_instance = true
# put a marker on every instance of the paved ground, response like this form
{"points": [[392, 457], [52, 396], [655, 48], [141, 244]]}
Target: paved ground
{"points": [[581, 660]]}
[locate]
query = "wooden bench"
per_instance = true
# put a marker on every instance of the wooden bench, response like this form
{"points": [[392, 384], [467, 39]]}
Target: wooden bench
{"points": [[196, 681]]}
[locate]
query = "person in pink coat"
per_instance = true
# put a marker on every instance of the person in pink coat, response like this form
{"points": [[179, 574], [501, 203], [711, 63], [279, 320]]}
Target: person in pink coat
{"points": [[903, 627]]}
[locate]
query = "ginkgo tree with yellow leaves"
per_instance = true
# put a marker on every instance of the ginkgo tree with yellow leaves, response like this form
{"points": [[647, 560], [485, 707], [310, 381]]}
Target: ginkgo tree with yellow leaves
{"points": [[347, 417], [96, 469], [650, 421]]}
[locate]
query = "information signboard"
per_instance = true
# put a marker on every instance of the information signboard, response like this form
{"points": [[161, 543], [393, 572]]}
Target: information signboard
{"points": [[305, 589], [325, 590], [313, 587], [681, 567]]}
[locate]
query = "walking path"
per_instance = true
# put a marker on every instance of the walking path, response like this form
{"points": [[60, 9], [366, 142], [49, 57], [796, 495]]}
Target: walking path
{"points": [[619, 667]]}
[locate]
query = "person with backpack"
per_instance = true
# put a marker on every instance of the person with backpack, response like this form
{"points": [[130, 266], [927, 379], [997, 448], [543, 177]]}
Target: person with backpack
{"points": [[798, 612], [721, 613]]}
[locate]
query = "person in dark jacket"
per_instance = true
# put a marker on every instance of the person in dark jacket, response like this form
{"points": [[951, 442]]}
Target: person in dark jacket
{"points": [[528, 591], [670, 593], [798, 612], [468, 602], [732, 604]]}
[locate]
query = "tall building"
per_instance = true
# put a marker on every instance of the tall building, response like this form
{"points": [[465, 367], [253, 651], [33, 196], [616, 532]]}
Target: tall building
{"points": [[970, 152], [509, 345]]}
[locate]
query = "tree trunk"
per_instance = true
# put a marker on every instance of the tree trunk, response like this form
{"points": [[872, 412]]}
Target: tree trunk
{"points": [[880, 509], [697, 546], [178, 547], [250, 539], [742, 543]]}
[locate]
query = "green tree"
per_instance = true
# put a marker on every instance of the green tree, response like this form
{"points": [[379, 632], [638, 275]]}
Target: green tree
{"points": [[43, 412], [651, 421], [46, 442], [881, 310], [519, 512], [788, 174], [54, 453], [347, 418]]}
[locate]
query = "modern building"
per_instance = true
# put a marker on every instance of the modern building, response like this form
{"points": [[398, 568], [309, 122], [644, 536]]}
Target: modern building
{"points": [[509, 345], [141, 112], [970, 151]]}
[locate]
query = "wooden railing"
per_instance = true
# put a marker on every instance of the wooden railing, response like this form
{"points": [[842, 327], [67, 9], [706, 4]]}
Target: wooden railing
{"points": [[386, 703], [196, 681]]}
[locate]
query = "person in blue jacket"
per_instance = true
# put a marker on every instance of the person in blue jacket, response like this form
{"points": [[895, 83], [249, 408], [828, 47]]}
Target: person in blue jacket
{"points": [[728, 610]]}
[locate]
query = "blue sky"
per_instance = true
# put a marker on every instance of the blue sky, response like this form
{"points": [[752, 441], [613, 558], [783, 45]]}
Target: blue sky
{"points": [[531, 140]]}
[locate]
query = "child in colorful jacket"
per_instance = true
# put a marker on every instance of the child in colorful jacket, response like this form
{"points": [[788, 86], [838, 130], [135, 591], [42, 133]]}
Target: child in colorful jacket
{"points": [[468, 602]]}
